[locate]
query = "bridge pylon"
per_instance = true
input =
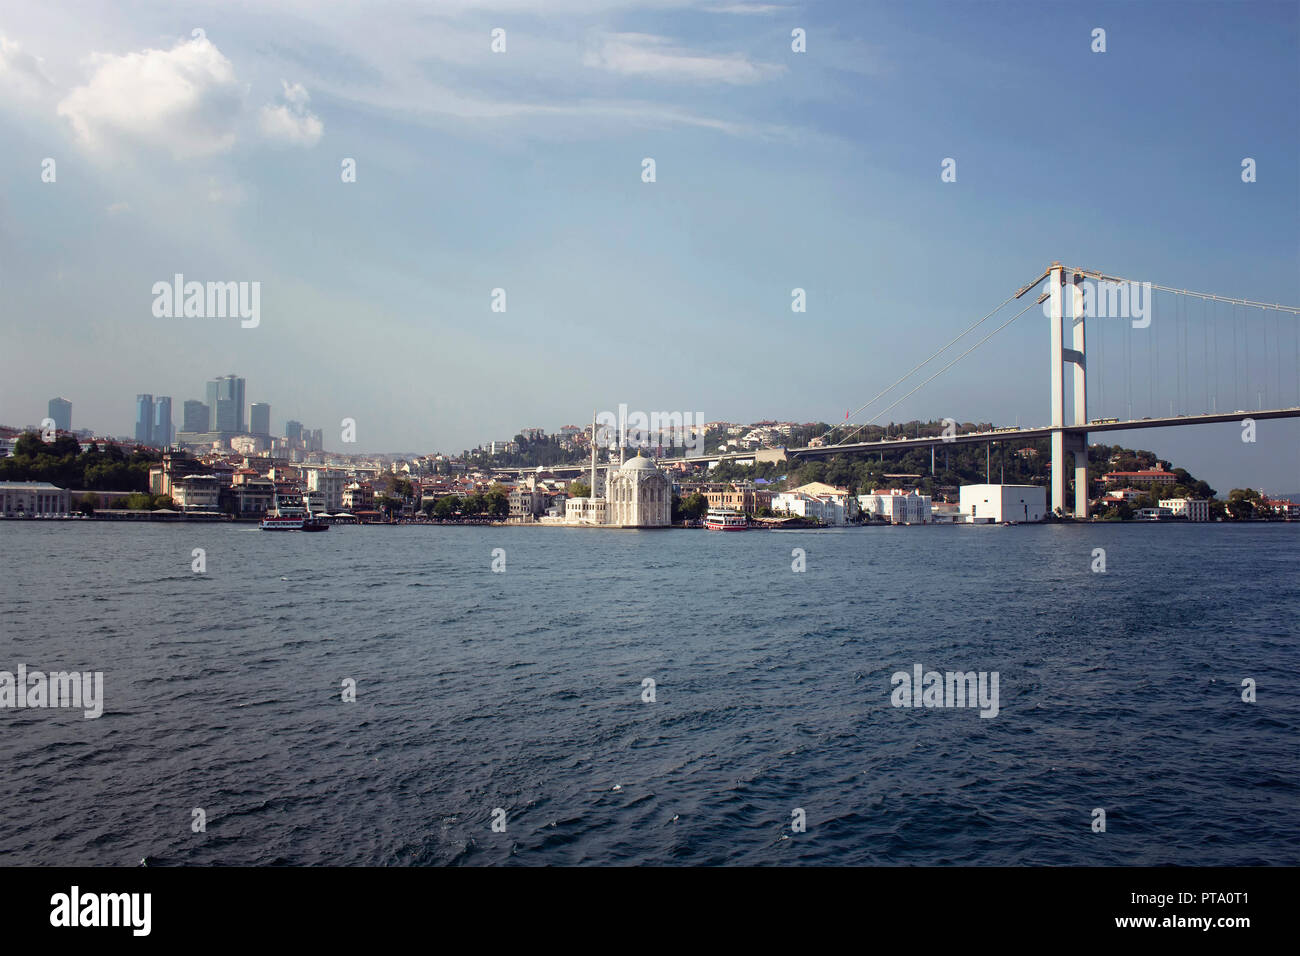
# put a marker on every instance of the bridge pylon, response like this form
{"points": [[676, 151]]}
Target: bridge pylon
{"points": [[1068, 438]]}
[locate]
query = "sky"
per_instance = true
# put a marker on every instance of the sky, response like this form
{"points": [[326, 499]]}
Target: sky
{"points": [[210, 140]]}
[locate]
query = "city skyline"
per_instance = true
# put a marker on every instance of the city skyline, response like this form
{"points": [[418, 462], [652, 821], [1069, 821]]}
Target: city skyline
{"points": [[523, 171]]}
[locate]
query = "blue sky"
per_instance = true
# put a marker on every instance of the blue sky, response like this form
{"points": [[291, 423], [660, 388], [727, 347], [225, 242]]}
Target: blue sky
{"points": [[219, 158]]}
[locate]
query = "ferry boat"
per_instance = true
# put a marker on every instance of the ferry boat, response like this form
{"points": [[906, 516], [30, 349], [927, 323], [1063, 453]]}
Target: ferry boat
{"points": [[722, 519], [291, 516]]}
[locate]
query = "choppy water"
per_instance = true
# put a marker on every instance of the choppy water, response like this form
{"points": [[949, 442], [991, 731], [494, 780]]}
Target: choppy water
{"points": [[522, 690]]}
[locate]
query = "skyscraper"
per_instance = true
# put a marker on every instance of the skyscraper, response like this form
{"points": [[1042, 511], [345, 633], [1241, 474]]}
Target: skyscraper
{"points": [[226, 404], [196, 417], [61, 412], [162, 421], [144, 419], [259, 419], [293, 430]]}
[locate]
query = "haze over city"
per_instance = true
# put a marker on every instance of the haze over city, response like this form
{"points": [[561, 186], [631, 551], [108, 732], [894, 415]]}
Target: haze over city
{"points": [[219, 155]]}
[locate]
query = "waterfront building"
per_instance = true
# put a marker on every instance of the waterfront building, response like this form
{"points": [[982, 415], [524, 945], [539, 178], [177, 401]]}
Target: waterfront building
{"points": [[329, 483], [984, 504], [252, 495], [584, 511], [638, 495], [60, 410], [358, 496], [741, 496], [173, 468], [1278, 506], [1154, 514], [896, 506], [827, 503], [197, 493], [1193, 509], [33, 498], [527, 499]]}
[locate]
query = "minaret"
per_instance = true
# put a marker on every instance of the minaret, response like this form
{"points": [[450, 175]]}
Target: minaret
{"points": [[622, 434], [592, 493]]}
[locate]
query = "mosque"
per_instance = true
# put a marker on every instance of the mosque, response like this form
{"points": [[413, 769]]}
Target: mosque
{"points": [[636, 495]]}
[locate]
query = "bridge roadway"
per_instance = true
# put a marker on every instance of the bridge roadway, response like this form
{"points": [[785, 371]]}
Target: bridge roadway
{"points": [[1010, 434]]}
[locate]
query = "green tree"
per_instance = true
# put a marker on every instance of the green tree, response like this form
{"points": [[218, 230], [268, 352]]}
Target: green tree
{"points": [[497, 501], [1243, 503]]}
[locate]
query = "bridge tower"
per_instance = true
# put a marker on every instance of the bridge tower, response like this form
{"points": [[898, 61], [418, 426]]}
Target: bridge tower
{"points": [[1064, 438]]}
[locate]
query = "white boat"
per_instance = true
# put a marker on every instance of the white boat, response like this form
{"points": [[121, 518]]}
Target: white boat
{"points": [[723, 519], [291, 516]]}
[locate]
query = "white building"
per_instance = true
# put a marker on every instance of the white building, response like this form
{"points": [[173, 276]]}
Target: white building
{"points": [[827, 503], [330, 484], [1193, 509], [197, 493], [33, 498], [638, 495], [896, 506], [584, 511], [983, 504]]}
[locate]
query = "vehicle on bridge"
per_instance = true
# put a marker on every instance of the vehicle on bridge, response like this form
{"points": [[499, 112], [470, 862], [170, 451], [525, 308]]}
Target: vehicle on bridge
{"points": [[1104, 421]]}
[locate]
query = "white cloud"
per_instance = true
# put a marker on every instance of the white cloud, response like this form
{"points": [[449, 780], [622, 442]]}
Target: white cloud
{"points": [[22, 71], [643, 54], [292, 123], [185, 100]]}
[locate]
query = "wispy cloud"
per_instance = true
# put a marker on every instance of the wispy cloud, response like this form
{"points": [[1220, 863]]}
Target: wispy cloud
{"points": [[21, 71], [644, 54], [291, 122]]}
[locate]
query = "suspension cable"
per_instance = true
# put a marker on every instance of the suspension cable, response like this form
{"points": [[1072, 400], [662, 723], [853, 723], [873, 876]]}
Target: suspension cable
{"points": [[942, 370], [927, 361]]}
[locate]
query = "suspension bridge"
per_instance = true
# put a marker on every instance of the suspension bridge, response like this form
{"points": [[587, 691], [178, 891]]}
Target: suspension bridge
{"points": [[1204, 358], [1264, 369]]}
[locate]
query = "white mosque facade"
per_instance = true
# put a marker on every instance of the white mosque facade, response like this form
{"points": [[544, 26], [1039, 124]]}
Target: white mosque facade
{"points": [[636, 495]]}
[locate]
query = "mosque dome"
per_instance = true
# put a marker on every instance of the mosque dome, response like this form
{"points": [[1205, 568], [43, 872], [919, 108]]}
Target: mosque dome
{"points": [[639, 463]]}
